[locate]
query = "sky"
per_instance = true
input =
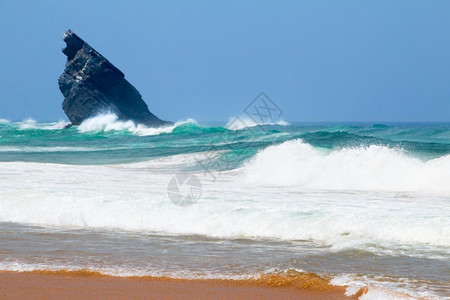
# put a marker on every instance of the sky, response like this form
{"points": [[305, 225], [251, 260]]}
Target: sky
{"points": [[207, 60]]}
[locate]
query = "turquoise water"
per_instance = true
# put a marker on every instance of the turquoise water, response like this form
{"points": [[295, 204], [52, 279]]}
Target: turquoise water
{"points": [[33, 142], [365, 204]]}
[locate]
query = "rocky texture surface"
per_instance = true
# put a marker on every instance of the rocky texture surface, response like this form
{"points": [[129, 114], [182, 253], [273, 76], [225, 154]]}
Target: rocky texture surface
{"points": [[92, 85]]}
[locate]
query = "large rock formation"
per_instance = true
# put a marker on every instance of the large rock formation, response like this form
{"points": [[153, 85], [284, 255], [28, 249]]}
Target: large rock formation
{"points": [[92, 85]]}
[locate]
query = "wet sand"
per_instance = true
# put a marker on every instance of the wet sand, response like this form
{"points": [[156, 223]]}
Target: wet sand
{"points": [[88, 285]]}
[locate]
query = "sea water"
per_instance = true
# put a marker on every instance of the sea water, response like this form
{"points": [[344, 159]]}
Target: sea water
{"points": [[363, 204]]}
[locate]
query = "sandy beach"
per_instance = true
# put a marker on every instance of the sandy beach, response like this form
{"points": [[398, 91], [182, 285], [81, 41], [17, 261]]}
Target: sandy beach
{"points": [[88, 285]]}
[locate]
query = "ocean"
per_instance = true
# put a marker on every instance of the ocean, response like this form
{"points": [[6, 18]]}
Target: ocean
{"points": [[360, 204]]}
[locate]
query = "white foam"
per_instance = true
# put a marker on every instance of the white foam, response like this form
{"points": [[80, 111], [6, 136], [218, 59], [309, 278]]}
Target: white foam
{"points": [[134, 197], [373, 168], [110, 122], [384, 288], [377, 293], [33, 124], [4, 121], [346, 198], [241, 122], [28, 124], [120, 271], [56, 125]]}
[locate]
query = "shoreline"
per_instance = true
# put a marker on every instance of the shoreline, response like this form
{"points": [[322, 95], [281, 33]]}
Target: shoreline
{"points": [[87, 284]]}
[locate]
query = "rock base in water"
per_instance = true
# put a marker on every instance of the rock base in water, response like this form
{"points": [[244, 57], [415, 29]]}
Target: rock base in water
{"points": [[92, 85]]}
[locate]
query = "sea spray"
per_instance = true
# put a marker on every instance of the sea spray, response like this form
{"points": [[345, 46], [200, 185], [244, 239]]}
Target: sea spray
{"points": [[241, 122], [134, 197], [110, 122], [374, 168]]}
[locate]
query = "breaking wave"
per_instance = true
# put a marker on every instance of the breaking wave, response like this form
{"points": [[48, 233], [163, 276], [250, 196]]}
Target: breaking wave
{"points": [[33, 124], [241, 122], [118, 196], [378, 168], [110, 122]]}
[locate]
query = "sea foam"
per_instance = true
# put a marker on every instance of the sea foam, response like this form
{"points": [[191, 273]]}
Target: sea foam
{"points": [[375, 168], [33, 124], [241, 122], [110, 122], [380, 288], [134, 197]]}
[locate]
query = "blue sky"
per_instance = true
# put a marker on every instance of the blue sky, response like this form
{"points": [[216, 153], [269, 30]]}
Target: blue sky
{"points": [[318, 60]]}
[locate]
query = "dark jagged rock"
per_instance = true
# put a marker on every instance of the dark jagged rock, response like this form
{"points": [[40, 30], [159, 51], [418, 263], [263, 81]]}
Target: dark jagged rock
{"points": [[92, 85]]}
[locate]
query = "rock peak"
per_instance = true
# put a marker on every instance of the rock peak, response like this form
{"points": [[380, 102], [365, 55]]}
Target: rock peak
{"points": [[73, 42], [92, 85]]}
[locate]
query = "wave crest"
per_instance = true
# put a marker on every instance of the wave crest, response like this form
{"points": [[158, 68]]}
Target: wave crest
{"points": [[33, 124], [110, 122], [241, 122], [296, 163]]}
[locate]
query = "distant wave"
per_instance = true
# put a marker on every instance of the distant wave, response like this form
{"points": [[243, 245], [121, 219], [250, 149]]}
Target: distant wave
{"points": [[296, 163], [110, 122], [241, 122], [33, 124]]}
